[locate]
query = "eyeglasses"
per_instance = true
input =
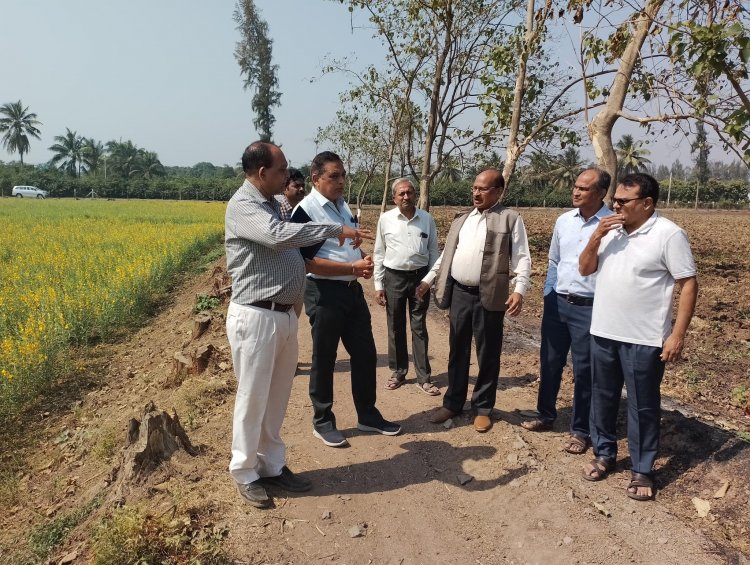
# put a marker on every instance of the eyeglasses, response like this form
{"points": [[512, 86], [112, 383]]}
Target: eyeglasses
{"points": [[623, 201], [483, 189]]}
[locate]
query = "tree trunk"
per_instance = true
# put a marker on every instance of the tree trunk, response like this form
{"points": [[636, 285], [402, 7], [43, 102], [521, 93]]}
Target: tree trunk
{"points": [[425, 178], [512, 153], [600, 128], [389, 162]]}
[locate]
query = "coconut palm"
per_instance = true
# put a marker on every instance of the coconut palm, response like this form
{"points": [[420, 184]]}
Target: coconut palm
{"points": [[148, 165], [560, 171], [92, 153], [68, 155], [16, 125], [123, 158], [631, 155]]}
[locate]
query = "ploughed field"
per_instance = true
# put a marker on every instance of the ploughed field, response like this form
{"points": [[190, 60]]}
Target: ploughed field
{"points": [[713, 378]]}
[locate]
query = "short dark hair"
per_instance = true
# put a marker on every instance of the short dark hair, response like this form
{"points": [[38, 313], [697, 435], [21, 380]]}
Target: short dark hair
{"points": [[320, 160], [258, 154], [648, 186], [295, 176], [603, 178]]}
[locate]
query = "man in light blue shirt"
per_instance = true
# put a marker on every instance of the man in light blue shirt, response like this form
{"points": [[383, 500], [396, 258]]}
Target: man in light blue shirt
{"points": [[568, 301], [336, 306]]}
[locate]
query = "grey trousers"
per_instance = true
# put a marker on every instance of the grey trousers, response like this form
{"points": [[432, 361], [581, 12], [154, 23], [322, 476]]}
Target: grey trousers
{"points": [[399, 289]]}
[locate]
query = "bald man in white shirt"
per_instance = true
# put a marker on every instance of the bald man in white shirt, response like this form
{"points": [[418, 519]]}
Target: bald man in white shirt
{"points": [[472, 277]]}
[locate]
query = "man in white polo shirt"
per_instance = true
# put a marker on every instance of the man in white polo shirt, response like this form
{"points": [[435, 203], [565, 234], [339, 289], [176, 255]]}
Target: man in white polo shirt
{"points": [[638, 256]]}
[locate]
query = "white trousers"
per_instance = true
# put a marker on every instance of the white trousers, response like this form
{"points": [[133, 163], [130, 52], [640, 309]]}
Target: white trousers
{"points": [[264, 354]]}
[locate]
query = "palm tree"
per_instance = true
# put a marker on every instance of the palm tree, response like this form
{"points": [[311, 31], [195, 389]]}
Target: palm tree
{"points": [[148, 165], [560, 171], [16, 125], [631, 155], [92, 153], [124, 157], [68, 151]]}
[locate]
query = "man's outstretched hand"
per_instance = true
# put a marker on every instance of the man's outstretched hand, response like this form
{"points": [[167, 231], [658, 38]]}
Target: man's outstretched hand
{"points": [[356, 235]]}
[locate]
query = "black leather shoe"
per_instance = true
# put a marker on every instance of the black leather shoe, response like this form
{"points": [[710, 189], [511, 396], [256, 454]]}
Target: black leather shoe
{"points": [[254, 493], [288, 481]]}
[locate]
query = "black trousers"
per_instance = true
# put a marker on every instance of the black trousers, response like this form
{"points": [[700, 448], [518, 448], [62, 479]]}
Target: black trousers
{"points": [[338, 312], [399, 289], [468, 318]]}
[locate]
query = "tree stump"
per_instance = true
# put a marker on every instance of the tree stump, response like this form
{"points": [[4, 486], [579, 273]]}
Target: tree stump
{"points": [[222, 283], [200, 325], [151, 441], [200, 358]]}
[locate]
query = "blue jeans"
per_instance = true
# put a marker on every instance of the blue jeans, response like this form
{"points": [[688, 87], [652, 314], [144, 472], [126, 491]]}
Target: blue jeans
{"points": [[565, 327], [639, 367]]}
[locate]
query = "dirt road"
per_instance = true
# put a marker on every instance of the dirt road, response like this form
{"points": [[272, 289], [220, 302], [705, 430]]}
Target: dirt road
{"points": [[433, 495]]}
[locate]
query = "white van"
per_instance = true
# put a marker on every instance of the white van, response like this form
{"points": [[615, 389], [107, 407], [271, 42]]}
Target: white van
{"points": [[29, 192]]}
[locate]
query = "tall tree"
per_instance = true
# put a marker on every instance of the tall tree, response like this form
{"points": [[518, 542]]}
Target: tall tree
{"points": [[701, 148], [442, 46], [148, 165], [123, 158], [254, 56], [92, 153], [631, 155], [68, 153], [16, 125]]}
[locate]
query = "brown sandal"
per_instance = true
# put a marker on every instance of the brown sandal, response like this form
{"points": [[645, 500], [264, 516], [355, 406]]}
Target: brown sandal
{"points": [[536, 425], [394, 382], [577, 445], [643, 481], [429, 388], [601, 468]]}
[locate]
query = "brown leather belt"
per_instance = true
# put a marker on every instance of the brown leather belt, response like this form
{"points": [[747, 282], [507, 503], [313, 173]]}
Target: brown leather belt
{"points": [[275, 306]]}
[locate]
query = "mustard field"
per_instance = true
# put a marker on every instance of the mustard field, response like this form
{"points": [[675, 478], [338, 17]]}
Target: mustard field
{"points": [[75, 270]]}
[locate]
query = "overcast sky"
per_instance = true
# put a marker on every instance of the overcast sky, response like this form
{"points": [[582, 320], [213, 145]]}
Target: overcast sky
{"points": [[162, 73]]}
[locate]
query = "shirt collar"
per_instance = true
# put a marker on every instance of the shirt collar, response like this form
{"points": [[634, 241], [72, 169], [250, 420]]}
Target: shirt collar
{"points": [[645, 228], [417, 212], [322, 200], [492, 208], [253, 192], [600, 213]]}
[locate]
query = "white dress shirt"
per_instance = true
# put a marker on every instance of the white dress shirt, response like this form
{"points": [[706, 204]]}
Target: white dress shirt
{"points": [[404, 244], [467, 260]]}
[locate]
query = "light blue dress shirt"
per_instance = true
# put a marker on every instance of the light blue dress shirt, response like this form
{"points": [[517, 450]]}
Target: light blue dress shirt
{"points": [[319, 209], [569, 239]]}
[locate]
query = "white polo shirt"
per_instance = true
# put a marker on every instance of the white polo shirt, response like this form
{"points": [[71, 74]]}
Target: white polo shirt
{"points": [[635, 281]]}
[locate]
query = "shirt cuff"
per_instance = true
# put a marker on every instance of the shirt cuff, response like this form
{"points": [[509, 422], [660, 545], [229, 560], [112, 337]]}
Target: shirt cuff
{"points": [[522, 287], [429, 278]]}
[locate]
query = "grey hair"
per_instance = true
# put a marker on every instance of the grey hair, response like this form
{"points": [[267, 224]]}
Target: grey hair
{"points": [[402, 180]]}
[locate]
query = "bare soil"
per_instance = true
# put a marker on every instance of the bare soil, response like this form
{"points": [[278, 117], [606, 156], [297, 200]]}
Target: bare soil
{"points": [[524, 502]]}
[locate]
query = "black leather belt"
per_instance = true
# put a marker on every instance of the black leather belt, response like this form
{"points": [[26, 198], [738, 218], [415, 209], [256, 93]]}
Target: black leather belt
{"points": [[577, 300], [469, 289], [415, 273], [336, 281], [275, 306]]}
